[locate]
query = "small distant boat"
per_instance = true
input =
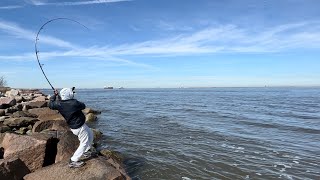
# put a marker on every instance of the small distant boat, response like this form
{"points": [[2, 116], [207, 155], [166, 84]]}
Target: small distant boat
{"points": [[121, 88], [107, 87]]}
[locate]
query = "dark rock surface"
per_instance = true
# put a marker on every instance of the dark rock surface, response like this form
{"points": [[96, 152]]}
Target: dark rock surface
{"points": [[95, 169]]}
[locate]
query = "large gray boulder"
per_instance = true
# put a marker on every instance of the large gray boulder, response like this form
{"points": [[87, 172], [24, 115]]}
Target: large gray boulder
{"points": [[67, 145], [13, 169], [91, 117], [37, 104], [23, 114], [89, 110], [39, 98], [19, 99], [30, 149], [6, 102], [60, 125], [12, 93], [20, 122], [95, 169], [57, 116], [46, 114]]}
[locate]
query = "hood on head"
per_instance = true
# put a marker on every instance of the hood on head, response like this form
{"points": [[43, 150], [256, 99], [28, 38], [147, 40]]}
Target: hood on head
{"points": [[66, 94]]}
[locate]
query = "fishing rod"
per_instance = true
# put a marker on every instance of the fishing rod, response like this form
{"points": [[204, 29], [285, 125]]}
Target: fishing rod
{"points": [[37, 39]]}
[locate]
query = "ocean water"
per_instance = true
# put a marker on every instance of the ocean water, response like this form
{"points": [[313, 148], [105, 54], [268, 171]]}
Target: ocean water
{"points": [[211, 133]]}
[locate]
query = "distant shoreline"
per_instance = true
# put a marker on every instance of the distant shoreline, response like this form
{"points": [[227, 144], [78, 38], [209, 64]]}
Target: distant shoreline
{"points": [[189, 87]]}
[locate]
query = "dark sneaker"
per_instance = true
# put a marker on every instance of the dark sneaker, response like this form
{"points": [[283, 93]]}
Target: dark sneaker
{"points": [[86, 154], [89, 154], [76, 164]]}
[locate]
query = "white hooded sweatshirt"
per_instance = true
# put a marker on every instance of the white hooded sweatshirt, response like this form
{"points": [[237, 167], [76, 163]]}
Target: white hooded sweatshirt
{"points": [[66, 94]]}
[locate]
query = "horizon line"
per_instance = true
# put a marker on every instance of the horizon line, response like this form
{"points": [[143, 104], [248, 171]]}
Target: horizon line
{"points": [[181, 87]]}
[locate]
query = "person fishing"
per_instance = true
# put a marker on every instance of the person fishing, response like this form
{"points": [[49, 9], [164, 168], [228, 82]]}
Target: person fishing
{"points": [[71, 110]]}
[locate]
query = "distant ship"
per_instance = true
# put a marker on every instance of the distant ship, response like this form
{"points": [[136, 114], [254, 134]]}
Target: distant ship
{"points": [[107, 87]]}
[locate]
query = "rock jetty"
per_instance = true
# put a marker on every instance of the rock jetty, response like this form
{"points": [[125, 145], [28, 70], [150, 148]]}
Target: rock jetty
{"points": [[36, 143]]}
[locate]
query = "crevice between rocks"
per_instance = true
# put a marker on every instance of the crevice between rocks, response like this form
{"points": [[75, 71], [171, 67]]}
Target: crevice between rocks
{"points": [[51, 152], [1, 152]]}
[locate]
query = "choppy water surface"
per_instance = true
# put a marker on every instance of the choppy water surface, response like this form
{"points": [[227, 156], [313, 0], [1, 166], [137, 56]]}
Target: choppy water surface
{"points": [[216, 133]]}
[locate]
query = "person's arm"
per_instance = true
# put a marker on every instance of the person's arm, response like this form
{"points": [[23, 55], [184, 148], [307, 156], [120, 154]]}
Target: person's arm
{"points": [[53, 104], [81, 105]]}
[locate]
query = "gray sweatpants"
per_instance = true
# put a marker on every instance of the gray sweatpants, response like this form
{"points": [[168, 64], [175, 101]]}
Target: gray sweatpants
{"points": [[85, 136]]}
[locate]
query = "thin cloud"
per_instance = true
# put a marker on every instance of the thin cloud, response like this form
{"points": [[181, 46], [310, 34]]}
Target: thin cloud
{"points": [[17, 57], [10, 7], [225, 39], [75, 51], [93, 55], [81, 53], [45, 3], [221, 39], [19, 32], [134, 28], [166, 26]]}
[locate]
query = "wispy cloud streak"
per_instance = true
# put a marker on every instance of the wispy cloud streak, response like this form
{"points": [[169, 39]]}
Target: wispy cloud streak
{"points": [[74, 50], [10, 7], [227, 38], [66, 3], [81, 53], [222, 39], [44, 3], [17, 31]]}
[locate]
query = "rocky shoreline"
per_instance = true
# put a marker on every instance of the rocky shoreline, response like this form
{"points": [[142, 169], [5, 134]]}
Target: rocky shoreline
{"points": [[36, 143]]}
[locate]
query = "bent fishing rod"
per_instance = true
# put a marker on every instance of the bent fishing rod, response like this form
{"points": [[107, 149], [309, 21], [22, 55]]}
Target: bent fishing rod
{"points": [[37, 39]]}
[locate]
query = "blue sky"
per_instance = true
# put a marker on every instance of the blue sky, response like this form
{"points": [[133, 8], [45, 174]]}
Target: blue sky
{"points": [[161, 43]]}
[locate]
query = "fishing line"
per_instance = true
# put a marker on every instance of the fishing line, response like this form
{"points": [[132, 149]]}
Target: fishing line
{"points": [[37, 39]]}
